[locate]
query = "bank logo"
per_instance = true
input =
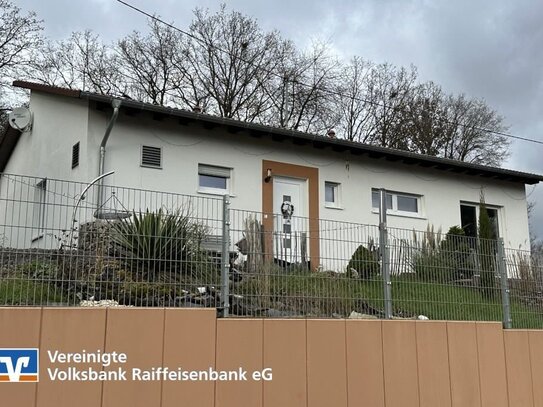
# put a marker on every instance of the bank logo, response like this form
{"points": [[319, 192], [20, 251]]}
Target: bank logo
{"points": [[19, 365]]}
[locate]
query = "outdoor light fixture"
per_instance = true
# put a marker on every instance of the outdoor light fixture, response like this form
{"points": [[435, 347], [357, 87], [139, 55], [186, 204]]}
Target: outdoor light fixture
{"points": [[268, 176]]}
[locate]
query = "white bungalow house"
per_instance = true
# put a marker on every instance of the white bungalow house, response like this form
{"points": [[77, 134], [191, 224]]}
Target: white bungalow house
{"points": [[260, 167]]}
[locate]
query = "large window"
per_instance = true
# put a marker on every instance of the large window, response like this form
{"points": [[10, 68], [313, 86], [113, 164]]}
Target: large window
{"points": [[213, 179], [469, 218], [399, 203]]}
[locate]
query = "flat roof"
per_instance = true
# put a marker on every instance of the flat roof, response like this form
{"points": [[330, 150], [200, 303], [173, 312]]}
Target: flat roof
{"points": [[278, 134]]}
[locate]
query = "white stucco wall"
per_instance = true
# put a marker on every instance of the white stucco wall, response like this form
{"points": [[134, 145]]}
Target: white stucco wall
{"points": [[60, 122], [44, 152], [186, 146]]}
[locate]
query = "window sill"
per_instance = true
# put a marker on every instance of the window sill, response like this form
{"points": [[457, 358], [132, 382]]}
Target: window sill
{"points": [[330, 206], [150, 166], [402, 214]]}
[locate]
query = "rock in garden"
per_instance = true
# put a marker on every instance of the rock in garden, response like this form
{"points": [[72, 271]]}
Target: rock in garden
{"points": [[358, 315], [102, 303]]}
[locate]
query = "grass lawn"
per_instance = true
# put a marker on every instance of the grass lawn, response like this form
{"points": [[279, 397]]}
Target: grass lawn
{"points": [[22, 291], [450, 302], [322, 295]]}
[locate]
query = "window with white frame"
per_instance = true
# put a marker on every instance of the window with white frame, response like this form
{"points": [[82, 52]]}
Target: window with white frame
{"points": [[470, 213], [213, 179], [332, 194], [398, 203]]}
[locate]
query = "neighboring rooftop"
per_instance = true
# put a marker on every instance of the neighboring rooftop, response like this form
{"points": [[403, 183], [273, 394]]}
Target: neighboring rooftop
{"points": [[9, 138]]}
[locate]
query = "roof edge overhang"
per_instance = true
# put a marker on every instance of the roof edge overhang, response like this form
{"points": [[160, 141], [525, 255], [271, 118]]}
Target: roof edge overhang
{"points": [[8, 141], [300, 138]]}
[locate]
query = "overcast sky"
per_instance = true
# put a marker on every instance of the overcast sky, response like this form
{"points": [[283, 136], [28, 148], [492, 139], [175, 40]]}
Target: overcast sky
{"points": [[491, 49]]}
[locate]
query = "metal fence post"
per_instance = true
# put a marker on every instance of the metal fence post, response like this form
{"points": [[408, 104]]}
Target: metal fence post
{"points": [[384, 250], [502, 269], [225, 256]]}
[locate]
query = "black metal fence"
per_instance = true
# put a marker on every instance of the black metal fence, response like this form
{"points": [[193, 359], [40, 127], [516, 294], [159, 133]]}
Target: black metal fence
{"points": [[145, 248]]}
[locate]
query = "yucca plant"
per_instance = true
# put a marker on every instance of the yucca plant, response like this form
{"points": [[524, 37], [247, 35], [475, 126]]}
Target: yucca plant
{"points": [[160, 241]]}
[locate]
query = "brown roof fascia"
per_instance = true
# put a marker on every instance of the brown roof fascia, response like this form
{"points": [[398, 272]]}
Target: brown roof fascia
{"points": [[41, 87]]}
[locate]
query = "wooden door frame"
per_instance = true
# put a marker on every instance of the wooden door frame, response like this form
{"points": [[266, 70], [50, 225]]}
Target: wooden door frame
{"points": [[311, 175]]}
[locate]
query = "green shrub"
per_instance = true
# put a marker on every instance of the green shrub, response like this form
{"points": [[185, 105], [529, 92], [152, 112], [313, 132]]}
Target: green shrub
{"points": [[433, 266], [24, 291], [445, 259], [39, 270], [299, 292], [454, 231], [457, 249], [161, 241], [364, 261]]}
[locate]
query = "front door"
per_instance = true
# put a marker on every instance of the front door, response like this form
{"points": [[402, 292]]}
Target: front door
{"points": [[290, 212]]}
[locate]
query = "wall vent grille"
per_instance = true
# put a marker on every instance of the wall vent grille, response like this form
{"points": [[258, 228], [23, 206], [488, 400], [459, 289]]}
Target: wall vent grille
{"points": [[151, 157]]}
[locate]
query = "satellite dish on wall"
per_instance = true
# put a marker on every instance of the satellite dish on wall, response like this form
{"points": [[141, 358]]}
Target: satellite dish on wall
{"points": [[20, 119]]}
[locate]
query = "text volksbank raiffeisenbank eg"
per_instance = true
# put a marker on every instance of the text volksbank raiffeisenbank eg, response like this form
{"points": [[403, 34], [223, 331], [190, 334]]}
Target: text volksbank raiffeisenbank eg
{"points": [[78, 370]]}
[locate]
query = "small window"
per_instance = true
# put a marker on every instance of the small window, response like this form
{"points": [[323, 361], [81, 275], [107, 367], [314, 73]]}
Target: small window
{"points": [[213, 179], [151, 157], [398, 203], [331, 194], [75, 155], [408, 203]]}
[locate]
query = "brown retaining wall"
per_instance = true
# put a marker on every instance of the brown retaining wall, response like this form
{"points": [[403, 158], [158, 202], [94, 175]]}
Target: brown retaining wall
{"points": [[328, 363]]}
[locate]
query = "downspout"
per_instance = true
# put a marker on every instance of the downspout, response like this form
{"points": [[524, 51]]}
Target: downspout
{"points": [[116, 104]]}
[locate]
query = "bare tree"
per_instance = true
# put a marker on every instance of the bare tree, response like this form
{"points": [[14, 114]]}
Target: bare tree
{"points": [[20, 36], [82, 61], [476, 137], [424, 120], [389, 92], [54, 66], [303, 91], [282, 87], [230, 59], [433, 123], [353, 101], [147, 62]]}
